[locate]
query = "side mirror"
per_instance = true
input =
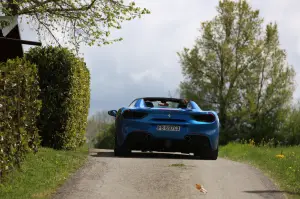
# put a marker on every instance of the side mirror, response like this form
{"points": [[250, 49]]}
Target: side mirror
{"points": [[112, 113]]}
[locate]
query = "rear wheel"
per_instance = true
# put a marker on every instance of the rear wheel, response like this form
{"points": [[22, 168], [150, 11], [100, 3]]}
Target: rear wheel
{"points": [[121, 150], [207, 154]]}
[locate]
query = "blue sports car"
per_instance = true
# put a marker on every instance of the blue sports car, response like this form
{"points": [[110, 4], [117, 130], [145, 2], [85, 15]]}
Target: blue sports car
{"points": [[166, 124]]}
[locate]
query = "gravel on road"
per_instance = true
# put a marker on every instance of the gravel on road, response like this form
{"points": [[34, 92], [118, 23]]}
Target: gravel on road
{"points": [[162, 176]]}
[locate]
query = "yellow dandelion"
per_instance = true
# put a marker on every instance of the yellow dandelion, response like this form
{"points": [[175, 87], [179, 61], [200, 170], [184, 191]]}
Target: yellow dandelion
{"points": [[251, 142], [280, 156]]}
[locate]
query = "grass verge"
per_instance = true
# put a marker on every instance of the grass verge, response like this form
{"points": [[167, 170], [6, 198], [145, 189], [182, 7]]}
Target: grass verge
{"points": [[42, 173], [285, 171]]}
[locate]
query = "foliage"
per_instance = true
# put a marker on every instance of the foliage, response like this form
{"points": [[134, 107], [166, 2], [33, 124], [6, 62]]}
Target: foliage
{"points": [[291, 126], [42, 173], [238, 68], [19, 108], [79, 21], [106, 138], [96, 123], [65, 93], [280, 163]]}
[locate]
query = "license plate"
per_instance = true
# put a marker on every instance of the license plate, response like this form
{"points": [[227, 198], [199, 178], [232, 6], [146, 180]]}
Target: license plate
{"points": [[168, 128]]}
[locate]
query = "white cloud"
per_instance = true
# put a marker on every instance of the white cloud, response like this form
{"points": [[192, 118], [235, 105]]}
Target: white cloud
{"points": [[140, 76]]}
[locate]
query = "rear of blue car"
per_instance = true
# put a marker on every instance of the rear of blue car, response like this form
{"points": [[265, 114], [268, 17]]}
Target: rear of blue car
{"points": [[168, 129]]}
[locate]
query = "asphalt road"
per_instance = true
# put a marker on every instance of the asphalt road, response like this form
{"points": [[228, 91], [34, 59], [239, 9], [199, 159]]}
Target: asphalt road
{"points": [[162, 176]]}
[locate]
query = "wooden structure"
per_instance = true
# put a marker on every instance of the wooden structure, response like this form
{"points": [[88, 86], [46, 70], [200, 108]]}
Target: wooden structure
{"points": [[11, 42]]}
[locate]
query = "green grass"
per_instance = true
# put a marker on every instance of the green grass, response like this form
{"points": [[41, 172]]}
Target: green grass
{"points": [[285, 172], [42, 173]]}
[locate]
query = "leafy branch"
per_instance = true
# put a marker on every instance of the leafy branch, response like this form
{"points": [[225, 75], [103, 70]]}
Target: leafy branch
{"points": [[79, 21]]}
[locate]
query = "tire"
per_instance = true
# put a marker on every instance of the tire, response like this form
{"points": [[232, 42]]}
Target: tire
{"points": [[121, 150], [207, 155], [214, 154]]}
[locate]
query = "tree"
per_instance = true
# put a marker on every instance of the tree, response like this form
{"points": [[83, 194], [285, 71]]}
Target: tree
{"points": [[79, 21], [105, 138], [291, 128], [269, 89], [97, 123], [238, 69]]}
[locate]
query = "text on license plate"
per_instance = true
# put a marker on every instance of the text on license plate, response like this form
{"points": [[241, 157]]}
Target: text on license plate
{"points": [[168, 128]]}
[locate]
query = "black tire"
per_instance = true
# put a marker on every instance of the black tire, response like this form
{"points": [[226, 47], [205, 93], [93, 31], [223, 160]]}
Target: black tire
{"points": [[121, 150], [207, 155], [214, 154]]}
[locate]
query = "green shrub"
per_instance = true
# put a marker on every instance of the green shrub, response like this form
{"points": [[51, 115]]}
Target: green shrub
{"points": [[291, 127], [65, 93], [19, 108], [106, 138]]}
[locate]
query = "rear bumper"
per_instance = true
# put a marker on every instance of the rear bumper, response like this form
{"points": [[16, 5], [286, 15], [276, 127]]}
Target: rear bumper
{"points": [[140, 134], [141, 140], [202, 135]]}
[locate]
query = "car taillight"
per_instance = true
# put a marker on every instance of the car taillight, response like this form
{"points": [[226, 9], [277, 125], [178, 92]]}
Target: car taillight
{"points": [[134, 114], [204, 117]]}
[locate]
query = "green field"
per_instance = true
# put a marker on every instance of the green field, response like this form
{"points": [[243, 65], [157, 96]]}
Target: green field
{"points": [[284, 170], [42, 173]]}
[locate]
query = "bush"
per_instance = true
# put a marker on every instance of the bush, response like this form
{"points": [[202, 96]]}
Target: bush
{"points": [[106, 138], [97, 122], [65, 93], [19, 108], [291, 129]]}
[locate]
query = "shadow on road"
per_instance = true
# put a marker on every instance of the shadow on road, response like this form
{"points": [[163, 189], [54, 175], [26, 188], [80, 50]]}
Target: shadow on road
{"points": [[160, 155], [272, 193]]}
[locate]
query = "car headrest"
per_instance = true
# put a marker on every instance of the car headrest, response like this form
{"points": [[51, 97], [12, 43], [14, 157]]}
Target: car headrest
{"points": [[181, 106], [149, 104]]}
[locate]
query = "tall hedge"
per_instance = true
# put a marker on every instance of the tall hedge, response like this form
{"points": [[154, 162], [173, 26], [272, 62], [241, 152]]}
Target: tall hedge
{"points": [[19, 108], [65, 95]]}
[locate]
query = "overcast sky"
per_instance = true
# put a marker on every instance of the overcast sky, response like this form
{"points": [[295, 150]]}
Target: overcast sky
{"points": [[145, 63]]}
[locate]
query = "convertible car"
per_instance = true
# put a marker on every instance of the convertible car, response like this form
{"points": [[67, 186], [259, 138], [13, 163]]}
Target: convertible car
{"points": [[166, 125]]}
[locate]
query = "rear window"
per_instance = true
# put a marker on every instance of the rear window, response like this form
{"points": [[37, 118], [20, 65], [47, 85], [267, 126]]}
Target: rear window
{"points": [[165, 104]]}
